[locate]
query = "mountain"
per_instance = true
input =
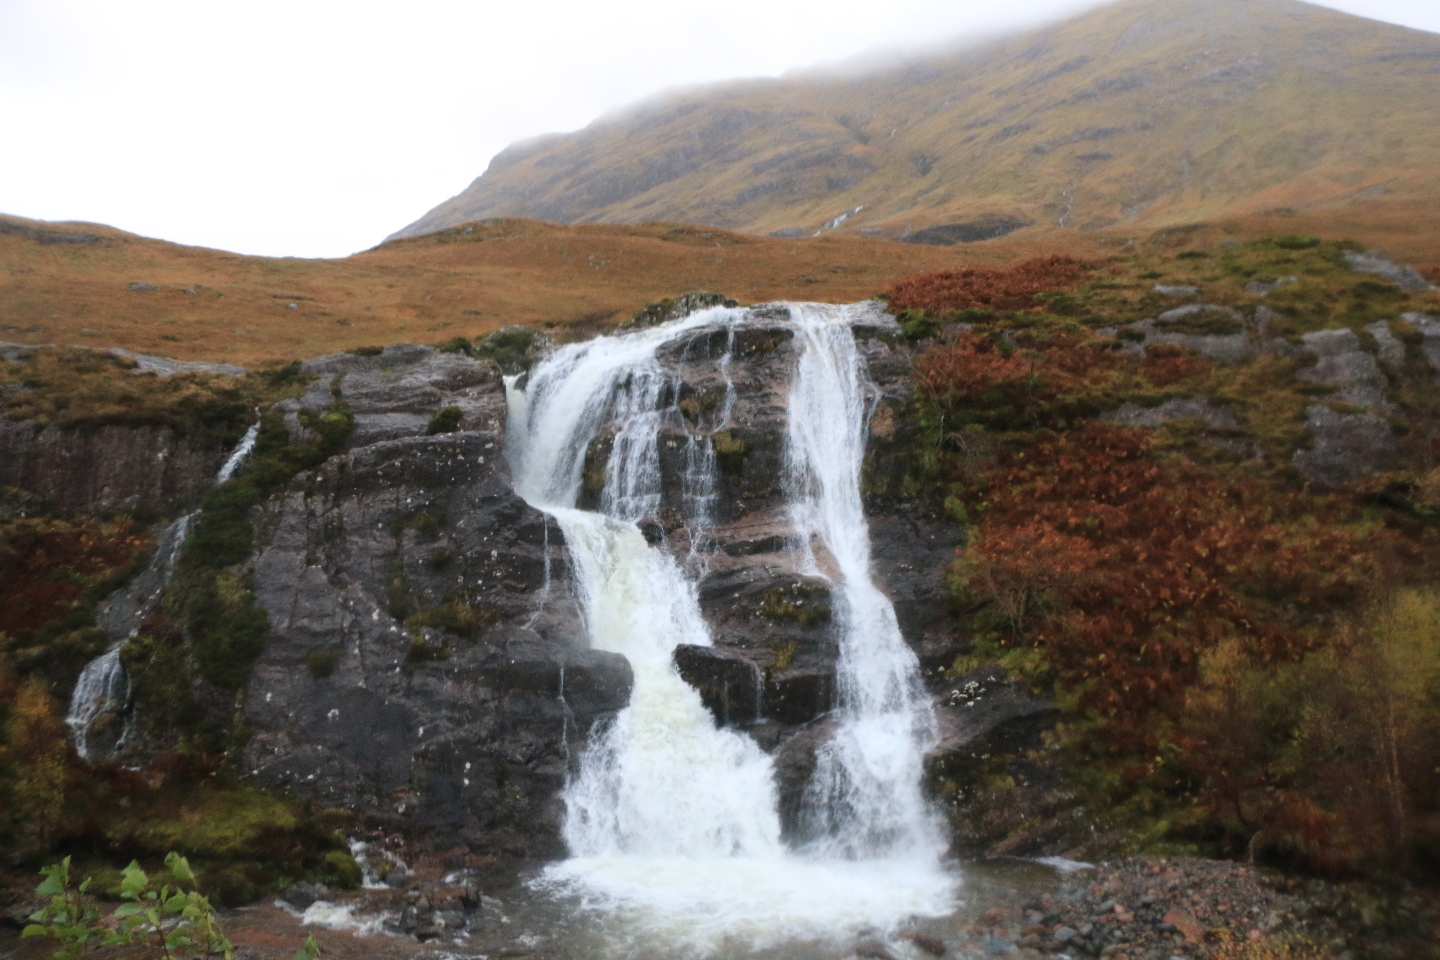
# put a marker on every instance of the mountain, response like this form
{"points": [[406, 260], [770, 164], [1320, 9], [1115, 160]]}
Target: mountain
{"points": [[1135, 116]]}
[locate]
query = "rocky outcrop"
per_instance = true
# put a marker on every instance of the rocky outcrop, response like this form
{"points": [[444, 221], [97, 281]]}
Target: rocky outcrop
{"points": [[1000, 786], [395, 392], [1351, 439], [1429, 328], [424, 660], [1377, 264], [148, 469], [1345, 446], [139, 468]]}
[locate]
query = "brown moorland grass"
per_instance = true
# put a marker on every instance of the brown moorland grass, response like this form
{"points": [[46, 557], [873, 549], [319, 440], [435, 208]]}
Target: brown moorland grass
{"points": [[205, 304], [200, 304]]}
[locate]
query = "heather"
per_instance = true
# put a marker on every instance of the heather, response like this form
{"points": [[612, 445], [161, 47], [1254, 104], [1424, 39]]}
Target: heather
{"points": [[1248, 664]]}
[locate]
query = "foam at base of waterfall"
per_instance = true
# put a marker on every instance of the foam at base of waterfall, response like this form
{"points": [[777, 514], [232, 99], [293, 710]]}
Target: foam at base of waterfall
{"points": [[661, 777], [331, 916], [703, 906]]}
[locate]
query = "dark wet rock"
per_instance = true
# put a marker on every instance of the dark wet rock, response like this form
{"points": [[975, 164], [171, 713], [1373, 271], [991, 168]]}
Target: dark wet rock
{"points": [[930, 944], [794, 766], [730, 686], [1346, 446], [302, 895], [144, 468], [1377, 264], [121, 613], [992, 730], [872, 949], [462, 673], [800, 695]]}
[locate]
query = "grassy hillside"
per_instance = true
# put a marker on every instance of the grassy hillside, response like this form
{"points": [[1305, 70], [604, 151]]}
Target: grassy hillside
{"points": [[96, 286], [1142, 114]]}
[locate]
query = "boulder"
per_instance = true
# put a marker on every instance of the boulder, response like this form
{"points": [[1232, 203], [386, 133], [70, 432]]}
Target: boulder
{"points": [[1346, 446]]}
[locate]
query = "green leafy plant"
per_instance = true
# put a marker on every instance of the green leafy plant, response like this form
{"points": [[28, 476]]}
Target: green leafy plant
{"points": [[171, 921], [67, 918]]}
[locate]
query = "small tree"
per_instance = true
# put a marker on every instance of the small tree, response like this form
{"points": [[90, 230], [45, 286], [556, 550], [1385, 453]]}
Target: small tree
{"points": [[37, 754]]}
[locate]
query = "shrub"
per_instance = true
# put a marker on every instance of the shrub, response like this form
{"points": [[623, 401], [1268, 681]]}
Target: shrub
{"points": [[1291, 241], [35, 750], [445, 420], [1014, 288], [455, 616], [322, 663], [986, 381]]}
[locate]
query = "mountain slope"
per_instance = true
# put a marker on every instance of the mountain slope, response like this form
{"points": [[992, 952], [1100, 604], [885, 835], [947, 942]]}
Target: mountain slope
{"points": [[1144, 112], [94, 285]]}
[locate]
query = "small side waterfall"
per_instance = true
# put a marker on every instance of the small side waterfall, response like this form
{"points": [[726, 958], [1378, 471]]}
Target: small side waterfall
{"points": [[103, 689], [671, 821]]}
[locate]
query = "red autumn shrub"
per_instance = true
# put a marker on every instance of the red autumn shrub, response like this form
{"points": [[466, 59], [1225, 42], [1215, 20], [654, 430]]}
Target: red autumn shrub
{"points": [[48, 565], [986, 288], [1052, 383], [1144, 564]]}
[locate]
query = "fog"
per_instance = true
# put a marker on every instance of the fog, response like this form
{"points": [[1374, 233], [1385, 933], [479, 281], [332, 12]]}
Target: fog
{"points": [[315, 127]]}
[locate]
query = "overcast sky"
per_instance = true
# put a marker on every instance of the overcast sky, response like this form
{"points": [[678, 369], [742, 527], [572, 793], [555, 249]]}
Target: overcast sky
{"points": [[316, 127]]}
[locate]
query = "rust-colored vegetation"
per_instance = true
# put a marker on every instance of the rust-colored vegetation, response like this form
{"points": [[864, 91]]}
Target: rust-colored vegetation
{"points": [[987, 288], [52, 573], [1206, 618]]}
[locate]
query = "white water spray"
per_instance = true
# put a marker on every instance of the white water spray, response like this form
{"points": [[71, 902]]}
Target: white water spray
{"points": [[864, 799], [672, 822]]}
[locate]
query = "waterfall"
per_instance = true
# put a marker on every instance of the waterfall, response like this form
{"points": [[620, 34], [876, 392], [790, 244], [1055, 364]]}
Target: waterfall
{"points": [[238, 455], [864, 798], [102, 686], [671, 821]]}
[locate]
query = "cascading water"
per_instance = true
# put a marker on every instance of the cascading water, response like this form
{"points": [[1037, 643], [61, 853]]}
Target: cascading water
{"points": [[864, 798], [102, 686], [671, 821]]}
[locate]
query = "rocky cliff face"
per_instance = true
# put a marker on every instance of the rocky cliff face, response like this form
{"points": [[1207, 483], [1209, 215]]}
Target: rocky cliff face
{"points": [[426, 665], [106, 468], [413, 672]]}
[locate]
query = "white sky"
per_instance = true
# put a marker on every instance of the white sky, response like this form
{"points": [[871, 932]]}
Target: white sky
{"points": [[316, 127]]}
